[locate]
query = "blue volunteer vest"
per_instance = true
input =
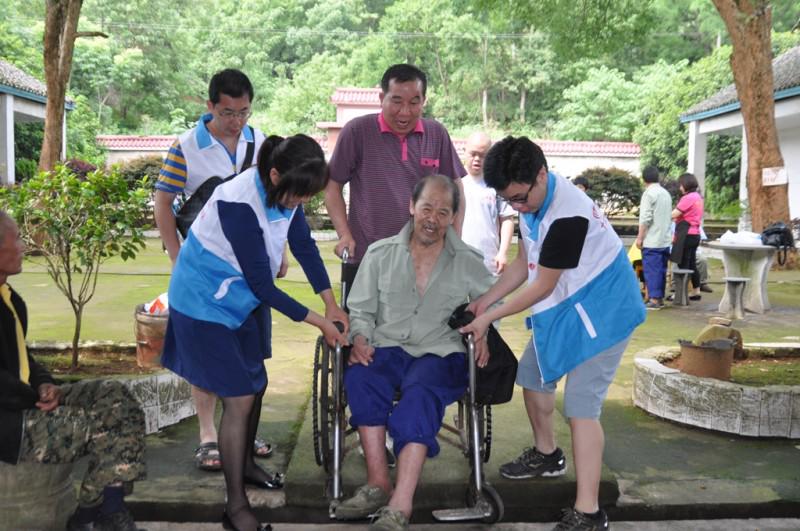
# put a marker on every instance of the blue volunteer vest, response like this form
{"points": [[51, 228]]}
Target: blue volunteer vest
{"points": [[207, 282], [593, 306]]}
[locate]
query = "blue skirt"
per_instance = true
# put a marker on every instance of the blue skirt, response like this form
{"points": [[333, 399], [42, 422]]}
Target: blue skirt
{"points": [[215, 358]]}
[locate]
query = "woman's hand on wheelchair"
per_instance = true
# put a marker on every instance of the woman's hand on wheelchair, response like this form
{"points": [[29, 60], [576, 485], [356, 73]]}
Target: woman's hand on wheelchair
{"points": [[478, 307], [334, 313], [361, 352], [333, 334], [478, 327]]}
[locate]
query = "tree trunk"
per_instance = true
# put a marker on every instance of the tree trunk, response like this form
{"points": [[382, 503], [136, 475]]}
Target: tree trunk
{"points": [[77, 335], [61, 23], [749, 23]]}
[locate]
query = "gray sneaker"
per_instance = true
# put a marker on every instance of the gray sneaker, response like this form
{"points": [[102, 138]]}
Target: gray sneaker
{"points": [[573, 520], [387, 519], [365, 502], [532, 463]]}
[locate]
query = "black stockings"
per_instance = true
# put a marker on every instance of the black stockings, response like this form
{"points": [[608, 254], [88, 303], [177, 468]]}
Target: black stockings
{"points": [[237, 429]]}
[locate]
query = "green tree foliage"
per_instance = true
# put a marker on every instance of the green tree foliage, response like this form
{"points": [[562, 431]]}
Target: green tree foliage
{"points": [[616, 191], [75, 225], [602, 107], [140, 170], [82, 128]]}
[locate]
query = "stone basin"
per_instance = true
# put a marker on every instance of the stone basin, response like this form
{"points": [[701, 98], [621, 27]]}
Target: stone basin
{"points": [[765, 411]]}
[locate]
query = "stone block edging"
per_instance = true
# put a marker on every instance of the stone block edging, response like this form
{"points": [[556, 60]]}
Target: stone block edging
{"points": [[768, 411], [165, 397]]}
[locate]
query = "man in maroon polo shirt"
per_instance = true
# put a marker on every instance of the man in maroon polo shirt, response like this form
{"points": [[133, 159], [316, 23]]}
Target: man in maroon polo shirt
{"points": [[383, 156]]}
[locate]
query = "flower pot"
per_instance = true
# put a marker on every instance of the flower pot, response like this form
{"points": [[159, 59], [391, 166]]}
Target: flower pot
{"points": [[150, 330], [712, 359]]}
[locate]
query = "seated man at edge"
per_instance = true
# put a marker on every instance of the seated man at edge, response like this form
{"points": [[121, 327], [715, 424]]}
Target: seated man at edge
{"points": [[53, 424], [405, 290]]}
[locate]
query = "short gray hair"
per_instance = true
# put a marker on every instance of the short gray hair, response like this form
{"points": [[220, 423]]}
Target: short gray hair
{"points": [[444, 182]]}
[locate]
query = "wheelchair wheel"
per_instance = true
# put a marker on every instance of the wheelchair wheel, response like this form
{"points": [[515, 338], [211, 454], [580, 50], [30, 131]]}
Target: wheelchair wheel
{"points": [[322, 407], [489, 496]]}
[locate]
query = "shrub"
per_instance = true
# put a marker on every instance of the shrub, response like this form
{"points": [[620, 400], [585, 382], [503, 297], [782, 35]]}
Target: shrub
{"points": [[133, 170], [24, 169], [80, 168], [616, 191], [75, 224]]}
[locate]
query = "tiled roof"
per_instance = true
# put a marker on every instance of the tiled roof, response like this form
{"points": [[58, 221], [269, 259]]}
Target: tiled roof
{"points": [[155, 142], [786, 74], [550, 147], [11, 76], [356, 96], [577, 149], [135, 143]]}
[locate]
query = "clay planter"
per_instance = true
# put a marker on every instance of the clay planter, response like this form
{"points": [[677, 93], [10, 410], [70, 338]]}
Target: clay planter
{"points": [[710, 360], [150, 330]]}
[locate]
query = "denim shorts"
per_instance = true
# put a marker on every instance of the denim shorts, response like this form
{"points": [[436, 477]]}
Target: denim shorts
{"points": [[587, 384]]}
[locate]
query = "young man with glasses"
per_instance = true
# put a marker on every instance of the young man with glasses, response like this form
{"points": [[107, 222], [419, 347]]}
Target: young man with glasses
{"points": [[585, 304], [216, 146]]}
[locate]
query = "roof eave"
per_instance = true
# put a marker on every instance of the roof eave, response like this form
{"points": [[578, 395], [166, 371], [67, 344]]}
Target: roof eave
{"points": [[736, 105]]}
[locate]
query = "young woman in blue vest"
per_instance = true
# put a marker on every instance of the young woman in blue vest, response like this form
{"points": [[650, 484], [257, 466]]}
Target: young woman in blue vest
{"points": [[222, 290], [585, 304]]}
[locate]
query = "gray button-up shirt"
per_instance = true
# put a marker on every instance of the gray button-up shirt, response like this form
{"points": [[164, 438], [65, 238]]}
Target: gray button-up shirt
{"points": [[386, 309], [655, 211]]}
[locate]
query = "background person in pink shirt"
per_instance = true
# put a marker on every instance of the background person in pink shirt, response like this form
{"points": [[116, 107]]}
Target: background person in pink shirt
{"points": [[688, 216]]}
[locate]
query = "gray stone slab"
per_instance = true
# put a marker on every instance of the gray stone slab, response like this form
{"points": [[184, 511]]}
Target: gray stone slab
{"points": [[776, 407]]}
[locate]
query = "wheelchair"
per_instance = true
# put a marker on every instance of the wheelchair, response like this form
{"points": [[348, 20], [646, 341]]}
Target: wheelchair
{"points": [[470, 431]]}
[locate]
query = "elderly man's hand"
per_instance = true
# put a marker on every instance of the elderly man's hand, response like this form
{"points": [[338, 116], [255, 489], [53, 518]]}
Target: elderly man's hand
{"points": [[482, 353], [49, 396], [361, 352]]}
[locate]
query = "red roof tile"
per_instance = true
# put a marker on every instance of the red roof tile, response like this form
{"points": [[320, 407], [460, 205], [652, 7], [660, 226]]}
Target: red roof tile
{"points": [[574, 148], [135, 142], [356, 96]]}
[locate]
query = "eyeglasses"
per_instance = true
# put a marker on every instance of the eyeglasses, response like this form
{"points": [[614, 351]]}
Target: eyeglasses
{"points": [[521, 199], [241, 115]]}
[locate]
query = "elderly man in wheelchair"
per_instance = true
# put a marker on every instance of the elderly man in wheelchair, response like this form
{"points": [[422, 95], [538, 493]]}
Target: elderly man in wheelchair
{"points": [[406, 289]]}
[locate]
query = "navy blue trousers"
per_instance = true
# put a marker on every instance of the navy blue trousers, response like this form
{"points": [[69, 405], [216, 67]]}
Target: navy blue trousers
{"points": [[654, 266], [427, 386]]}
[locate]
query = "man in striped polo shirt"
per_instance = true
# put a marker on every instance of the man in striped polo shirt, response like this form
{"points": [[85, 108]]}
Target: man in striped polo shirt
{"points": [[383, 156], [216, 146]]}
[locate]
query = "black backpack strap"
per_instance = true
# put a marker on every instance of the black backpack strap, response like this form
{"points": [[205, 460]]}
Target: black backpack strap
{"points": [[251, 149]]}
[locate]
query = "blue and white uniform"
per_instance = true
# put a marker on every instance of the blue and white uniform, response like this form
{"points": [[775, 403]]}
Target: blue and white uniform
{"points": [[222, 287], [596, 303], [197, 155]]}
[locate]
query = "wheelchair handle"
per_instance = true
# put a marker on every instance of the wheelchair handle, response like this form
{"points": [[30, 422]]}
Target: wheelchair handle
{"points": [[339, 326], [345, 255]]}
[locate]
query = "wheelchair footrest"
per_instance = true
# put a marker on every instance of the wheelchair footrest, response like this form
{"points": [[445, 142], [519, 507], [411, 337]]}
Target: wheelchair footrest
{"points": [[481, 510]]}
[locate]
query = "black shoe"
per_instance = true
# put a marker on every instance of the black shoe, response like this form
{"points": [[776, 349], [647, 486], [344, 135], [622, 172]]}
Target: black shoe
{"points": [[695, 297], [228, 524], [118, 521], [532, 463], [72, 525], [574, 520], [705, 288], [273, 482]]}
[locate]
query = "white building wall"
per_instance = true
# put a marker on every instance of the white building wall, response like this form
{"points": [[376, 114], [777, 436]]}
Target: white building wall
{"points": [[572, 165], [790, 149]]}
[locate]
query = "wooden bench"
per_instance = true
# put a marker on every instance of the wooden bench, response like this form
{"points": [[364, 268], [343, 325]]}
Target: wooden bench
{"points": [[734, 291], [680, 283]]}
